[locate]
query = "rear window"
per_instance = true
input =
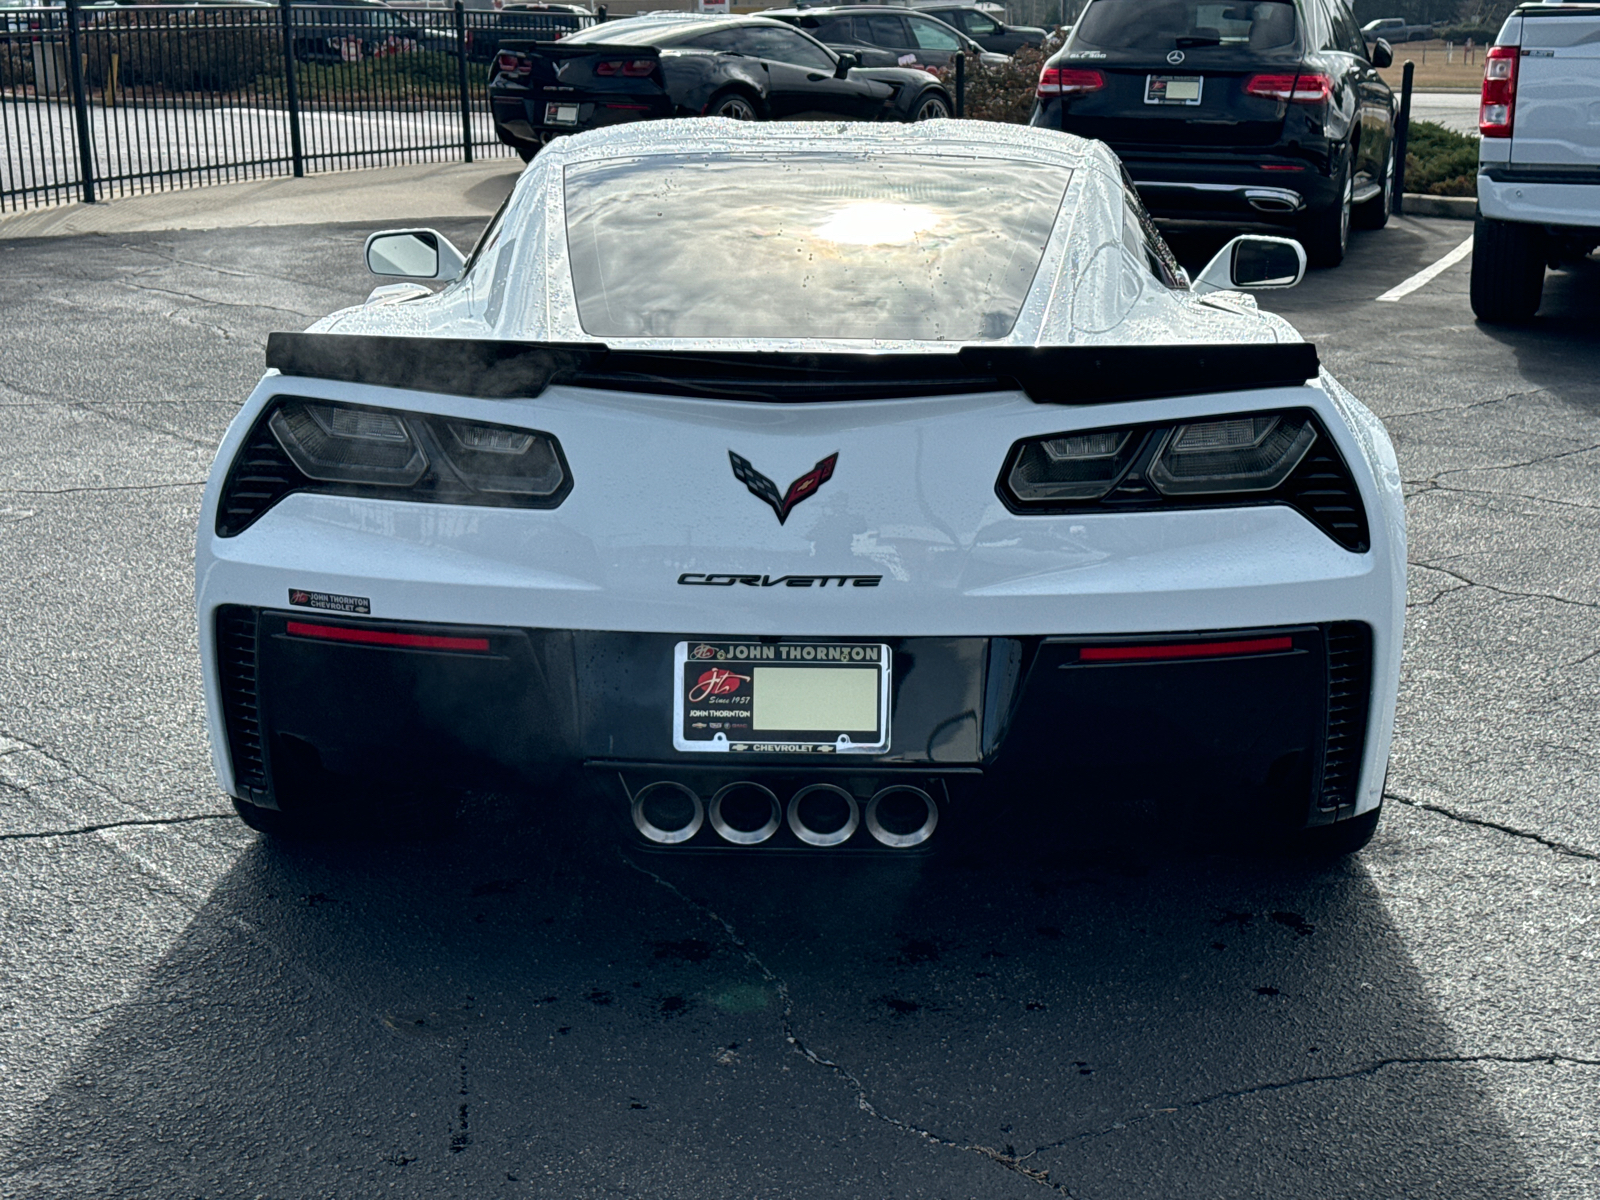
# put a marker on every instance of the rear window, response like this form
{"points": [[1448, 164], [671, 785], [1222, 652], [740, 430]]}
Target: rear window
{"points": [[807, 245], [1139, 26]]}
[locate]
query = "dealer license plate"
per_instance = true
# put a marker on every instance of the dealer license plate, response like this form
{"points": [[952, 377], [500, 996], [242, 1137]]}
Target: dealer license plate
{"points": [[1173, 89], [560, 114], [781, 697]]}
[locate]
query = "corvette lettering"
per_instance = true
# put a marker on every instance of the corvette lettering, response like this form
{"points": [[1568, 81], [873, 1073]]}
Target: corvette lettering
{"points": [[764, 489], [696, 579]]}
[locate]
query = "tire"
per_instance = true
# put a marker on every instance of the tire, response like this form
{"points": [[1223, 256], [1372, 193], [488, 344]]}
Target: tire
{"points": [[932, 105], [1339, 839], [735, 105], [269, 820], [1326, 234], [1507, 270], [1374, 214], [526, 152]]}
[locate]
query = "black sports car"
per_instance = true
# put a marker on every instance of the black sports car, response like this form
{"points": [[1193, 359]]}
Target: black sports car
{"points": [[1267, 112], [747, 68]]}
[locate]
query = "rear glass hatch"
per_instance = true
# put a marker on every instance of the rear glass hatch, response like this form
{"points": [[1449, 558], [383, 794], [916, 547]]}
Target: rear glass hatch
{"points": [[1178, 72]]}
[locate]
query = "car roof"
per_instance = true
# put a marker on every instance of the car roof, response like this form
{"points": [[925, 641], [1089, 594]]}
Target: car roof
{"points": [[646, 31]]}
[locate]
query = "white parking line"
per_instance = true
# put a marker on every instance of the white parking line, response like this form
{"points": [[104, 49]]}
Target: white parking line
{"points": [[1427, 274]]}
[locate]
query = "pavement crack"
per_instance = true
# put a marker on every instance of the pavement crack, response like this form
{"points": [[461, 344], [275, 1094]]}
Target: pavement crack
{"points": [[1299, 1081], [1500, 591], [83, 829], [1509, 830], [1004, 1158], [211, 302], [1461, 408]]}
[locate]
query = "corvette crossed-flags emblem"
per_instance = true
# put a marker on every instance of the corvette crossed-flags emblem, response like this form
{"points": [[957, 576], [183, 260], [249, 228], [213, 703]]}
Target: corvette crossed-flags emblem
{"points": [[764, 489]]}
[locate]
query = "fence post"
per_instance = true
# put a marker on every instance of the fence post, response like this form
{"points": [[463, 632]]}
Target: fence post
{"points": [[461, 80], [1400, 131], [961, 84], [292, 89], [80, 101]]}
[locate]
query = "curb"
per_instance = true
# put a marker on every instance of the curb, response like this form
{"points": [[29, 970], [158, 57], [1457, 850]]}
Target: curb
{"points": [[1459, 208]]}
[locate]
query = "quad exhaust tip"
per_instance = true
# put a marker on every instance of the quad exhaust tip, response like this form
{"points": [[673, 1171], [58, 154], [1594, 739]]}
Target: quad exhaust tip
{"points": [[746, 813]]}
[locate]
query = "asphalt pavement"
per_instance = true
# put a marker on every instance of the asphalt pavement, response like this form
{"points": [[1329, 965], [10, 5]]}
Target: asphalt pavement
{"points": [[189, 1010]]}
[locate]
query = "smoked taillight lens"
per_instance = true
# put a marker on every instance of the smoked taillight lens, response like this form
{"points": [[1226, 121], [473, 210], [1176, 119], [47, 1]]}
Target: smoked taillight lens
{"points": [[1294, 89], [1068, 81], [507, 63], [637, 68], [1499, 92]]}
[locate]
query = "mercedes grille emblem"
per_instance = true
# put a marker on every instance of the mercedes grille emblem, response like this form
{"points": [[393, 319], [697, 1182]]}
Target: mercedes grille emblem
{"points": [[1175, 57], [764, 489]]}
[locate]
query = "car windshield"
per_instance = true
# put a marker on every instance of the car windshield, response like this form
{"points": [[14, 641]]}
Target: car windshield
{"points": [[1141, 27], [835, 245]]}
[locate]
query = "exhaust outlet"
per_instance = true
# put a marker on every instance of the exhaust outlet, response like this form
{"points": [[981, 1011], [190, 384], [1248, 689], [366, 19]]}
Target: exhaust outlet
{"points": [[1274, 200], [745, 813], [668, 813], [901, 816], [823, 814]]}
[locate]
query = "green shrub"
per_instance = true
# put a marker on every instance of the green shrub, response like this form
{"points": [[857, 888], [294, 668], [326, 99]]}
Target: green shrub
{"points": [[16, 69], [1440, 162], [187, 51], [1007, 93]]}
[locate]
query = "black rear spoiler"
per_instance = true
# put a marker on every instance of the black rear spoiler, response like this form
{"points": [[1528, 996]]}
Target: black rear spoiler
{"points": [[497, 370], [555, 49]]}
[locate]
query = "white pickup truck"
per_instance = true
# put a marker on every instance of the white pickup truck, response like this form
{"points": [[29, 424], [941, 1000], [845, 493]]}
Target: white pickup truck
{"points": [[1539, 160]]}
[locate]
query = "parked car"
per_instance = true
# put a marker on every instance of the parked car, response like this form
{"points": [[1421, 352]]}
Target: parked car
{"points": [[1269, 112], [746, 68], [486, 32], [884, 36], [1085, 537], [358, 29], [985, 28], [1538, 156], [1395, 30]]}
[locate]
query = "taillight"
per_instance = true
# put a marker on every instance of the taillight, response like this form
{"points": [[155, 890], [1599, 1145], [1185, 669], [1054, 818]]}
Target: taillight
{"points": [[636, 68], [1295, 89], [1499, 91], [1068, 81], [507, 63]]}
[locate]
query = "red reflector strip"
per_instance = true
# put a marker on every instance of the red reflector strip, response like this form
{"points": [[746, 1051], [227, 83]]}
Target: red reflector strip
{"points": [[1186, 650], [382, 637]]}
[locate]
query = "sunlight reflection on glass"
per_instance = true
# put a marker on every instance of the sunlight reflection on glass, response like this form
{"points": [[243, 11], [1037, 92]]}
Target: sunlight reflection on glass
{"points": [[873, 223]]}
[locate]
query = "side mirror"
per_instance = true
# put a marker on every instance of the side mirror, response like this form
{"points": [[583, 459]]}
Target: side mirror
{"points": [[847, 61], [1252, 262], [413, 254], [1382, 54]]}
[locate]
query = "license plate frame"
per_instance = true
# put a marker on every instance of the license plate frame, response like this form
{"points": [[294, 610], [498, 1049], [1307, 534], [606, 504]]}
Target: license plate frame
{"points": [[559, 113], [1158, 89], [734, 713]]}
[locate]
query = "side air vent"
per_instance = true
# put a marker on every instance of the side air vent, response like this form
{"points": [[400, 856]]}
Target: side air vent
{"points": [[260, 476], [1324, 492], [1349, 696], [236, 660]]}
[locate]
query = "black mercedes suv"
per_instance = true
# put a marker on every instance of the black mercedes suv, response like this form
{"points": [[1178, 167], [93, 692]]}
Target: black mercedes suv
{"points": [[1257, 112]]}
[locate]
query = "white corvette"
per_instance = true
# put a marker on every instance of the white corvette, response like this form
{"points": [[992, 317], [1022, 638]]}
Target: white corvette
{"points": [[808, 486]]}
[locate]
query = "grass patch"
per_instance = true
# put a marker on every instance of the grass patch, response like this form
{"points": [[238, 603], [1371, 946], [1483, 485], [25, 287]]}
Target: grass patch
{"points": [[1440, 162]]}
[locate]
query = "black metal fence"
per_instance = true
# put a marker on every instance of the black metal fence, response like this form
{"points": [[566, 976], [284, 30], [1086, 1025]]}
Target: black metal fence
{"points": [[106, 100]]}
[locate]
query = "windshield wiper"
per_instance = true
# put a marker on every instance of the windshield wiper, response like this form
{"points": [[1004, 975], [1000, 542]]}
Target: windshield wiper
{"points": [[1189, 43]]}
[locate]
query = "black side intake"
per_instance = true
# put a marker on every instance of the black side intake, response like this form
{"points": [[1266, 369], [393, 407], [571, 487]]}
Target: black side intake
{"points": [[1349, 700], [236, 660]]}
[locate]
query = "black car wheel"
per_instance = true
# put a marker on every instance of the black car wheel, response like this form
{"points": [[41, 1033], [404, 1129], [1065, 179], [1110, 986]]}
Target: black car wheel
{"points": [[526, 152], [736, 106], [1507, 270], [269, 820], [1374, 214], [1340, 838], [1326, 234], [932, 106]]}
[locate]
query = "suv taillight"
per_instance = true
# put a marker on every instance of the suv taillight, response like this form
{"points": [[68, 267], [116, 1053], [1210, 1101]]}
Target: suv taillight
{"points": [[1068, 81], [1499, 91], [1296, 89]]}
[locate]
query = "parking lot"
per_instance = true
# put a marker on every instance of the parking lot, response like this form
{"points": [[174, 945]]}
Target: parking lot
{"points": [[189, 1010]]}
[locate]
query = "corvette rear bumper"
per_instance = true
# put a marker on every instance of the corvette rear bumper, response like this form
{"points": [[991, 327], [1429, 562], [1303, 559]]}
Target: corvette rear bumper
{"points": [[1259, 726]]}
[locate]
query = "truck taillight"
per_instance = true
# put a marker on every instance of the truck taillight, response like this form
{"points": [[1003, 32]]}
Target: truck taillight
{"points": [[1499, 91], [1068, 81]]}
